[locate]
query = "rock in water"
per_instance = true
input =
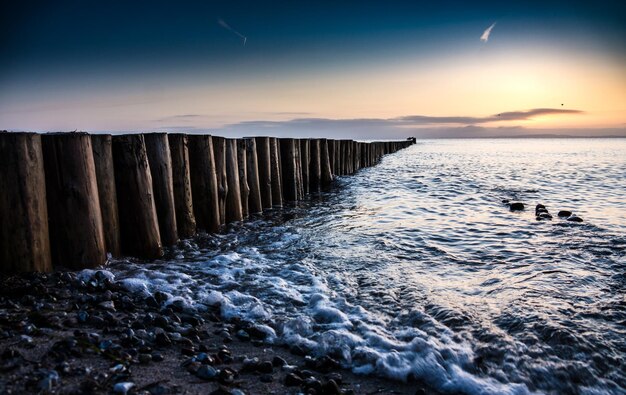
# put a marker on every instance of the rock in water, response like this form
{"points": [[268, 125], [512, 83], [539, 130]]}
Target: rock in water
{"points": [[564, 213], [574, 218], [516, 206]]}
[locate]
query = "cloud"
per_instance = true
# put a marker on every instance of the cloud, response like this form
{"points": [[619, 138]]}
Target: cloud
{"points": [[504, 116], [180, 117], [399, 127], [485, 37]]}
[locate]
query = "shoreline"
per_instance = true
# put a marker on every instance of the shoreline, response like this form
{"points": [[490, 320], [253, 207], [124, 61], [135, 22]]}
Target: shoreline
{"points": [[63, 335]]}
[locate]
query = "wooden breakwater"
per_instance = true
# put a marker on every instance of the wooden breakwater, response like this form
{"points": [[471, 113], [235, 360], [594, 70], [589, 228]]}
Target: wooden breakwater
{"points": [[68, 199]]}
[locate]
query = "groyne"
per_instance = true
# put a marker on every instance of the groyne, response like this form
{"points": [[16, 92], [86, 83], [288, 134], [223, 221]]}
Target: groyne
{"points": [[69, 199]]}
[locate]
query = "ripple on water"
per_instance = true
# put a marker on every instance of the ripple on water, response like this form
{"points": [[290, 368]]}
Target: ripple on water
{"points": [[415, 268]]}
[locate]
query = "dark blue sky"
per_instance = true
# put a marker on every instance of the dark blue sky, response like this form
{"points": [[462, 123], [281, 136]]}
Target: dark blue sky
{"points": [[95, 46]]}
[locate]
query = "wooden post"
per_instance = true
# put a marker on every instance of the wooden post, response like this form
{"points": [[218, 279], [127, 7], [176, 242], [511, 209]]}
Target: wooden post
{"points": [[298, 157], [107, 193], [305, 155], [255, 204], [355, 156], [331, 154], [24, 236], [288, 169], [242, 165], [160, 160], [233, 191], [219, 151], [265, 170], [277, 194], [204, 185], [349, 161], [326, 172], [75, 220], [139, 226], [183, 198], [315, 168]]}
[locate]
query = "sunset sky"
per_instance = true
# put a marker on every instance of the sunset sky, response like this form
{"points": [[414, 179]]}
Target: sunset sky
{"points": [[344, 69]]}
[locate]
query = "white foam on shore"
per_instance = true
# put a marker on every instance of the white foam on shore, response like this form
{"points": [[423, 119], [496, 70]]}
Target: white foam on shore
{"points": [[308, 312]]}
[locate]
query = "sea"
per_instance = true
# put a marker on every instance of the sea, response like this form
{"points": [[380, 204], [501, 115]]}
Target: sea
{"points": [[416, 269]]}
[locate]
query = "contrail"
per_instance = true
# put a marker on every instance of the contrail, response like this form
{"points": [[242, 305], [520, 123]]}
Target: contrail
{"points": [[486, 33], [227, 27]]}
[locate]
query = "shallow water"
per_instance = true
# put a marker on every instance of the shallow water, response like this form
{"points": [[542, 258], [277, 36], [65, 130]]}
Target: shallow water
{"points": [[415, 269]]}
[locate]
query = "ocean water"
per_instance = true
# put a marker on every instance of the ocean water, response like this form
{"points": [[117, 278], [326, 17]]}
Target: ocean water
{"points": [[415, 269]]}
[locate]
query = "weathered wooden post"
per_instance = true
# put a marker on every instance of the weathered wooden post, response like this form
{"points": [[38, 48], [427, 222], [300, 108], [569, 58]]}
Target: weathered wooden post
{"points": [[183, 198], [24, 236], [255, 204], [233, 209], [288, 169], [242, 165], [304, 159], [265, 170], [277, 190], [356, 152], [315, 167], [298, 157], [75, 220], [204, 186], [331, 154], [349, 157], [101, 145], [160, 161], [326, 174], [139, 226], [219, 151]]}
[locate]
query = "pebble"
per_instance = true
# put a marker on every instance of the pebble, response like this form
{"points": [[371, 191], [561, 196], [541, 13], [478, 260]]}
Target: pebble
{"points": [[516, 206], [564, 213], [266, 378], [278, 361], [293, 380], [123, 388], [207, 372]]}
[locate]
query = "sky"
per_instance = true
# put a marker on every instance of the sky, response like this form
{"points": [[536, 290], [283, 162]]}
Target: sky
{"points": [[349, 69]]}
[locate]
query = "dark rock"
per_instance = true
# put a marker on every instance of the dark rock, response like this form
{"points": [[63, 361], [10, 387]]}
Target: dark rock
{"points": [[188, 351], [297, 350], [543, 216], [225, 356], [313, 383], [265, 367], [278, 361], [266, 378], [123, 388], [243, 335], [574, 218], [157, 357], [144, 358], [162, 339], [564, 213], [505, 201], [336, 377], [331, 388], [293, 380], [158, 389], [151, 302], [540, 207], [207, 372], [226, 376], [516, 206]]}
